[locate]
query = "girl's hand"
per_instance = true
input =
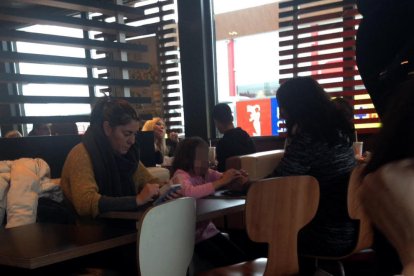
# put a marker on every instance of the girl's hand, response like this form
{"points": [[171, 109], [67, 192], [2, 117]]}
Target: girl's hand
{"points": [[226, 178], [174, 195], [230, 175], [147, 194]]}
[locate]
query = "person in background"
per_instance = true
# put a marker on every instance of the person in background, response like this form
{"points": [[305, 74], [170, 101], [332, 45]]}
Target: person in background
{"points": [[13, 134], [320, 145], [103, 172], [235, 141], [40, 130], [163, 147], [66, 128], [190, 169]]}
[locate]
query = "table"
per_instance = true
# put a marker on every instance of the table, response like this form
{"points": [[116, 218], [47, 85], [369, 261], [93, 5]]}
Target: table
{"points": [[207, 209], [36, 245]]}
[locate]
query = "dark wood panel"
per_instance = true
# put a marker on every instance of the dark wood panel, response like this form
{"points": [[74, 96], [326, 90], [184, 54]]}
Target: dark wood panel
{"points": [[344, 44], [69, 41], [349, 93], [340, 64], [102, 63], [315, 8], [21, 78], [27, 16], [317, 38], [343, 74], [297, 60], [105, 7], [312, 19], [63, 100], [44, 119], [342, 84], [367, 121], [322, 27]]}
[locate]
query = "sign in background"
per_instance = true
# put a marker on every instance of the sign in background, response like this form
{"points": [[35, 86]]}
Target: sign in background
{"points": [[258, 117]]}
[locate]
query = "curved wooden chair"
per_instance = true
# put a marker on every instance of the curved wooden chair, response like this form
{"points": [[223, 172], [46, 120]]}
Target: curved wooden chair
{"points": [[276, 209], [166, 236], [356, 211]]}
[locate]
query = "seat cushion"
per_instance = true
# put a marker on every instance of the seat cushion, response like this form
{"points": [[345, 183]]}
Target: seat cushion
{"points": [[259, 165], [162, 174], [253, 268]]}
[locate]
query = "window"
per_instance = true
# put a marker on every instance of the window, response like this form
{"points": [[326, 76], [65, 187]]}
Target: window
{"points": [[58, 58], [247, 38]]}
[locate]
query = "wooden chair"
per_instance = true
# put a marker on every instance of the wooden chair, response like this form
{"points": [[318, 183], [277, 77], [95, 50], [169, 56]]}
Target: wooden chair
{"points": [[166, 236], [276, 209], [356, 211]]}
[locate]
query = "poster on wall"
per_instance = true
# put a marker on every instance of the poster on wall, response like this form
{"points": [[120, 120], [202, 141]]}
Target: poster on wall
{"points": [[259, 117]]}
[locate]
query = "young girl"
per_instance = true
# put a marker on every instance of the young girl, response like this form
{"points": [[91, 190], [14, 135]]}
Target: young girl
{"points": [[190, 167]]}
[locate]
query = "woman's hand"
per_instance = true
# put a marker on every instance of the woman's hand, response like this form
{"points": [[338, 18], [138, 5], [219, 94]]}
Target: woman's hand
{"points": [[173, 136], [147, 194]]}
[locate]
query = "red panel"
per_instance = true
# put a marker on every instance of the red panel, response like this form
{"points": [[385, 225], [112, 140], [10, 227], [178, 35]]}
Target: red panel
{"points": [[232, 75], [255, 117]]}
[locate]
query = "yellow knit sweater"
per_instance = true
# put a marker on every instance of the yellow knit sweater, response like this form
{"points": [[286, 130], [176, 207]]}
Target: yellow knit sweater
{"points": [[79, 185]]}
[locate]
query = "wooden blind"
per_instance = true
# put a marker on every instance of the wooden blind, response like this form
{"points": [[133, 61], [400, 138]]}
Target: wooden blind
{"points": [[107, 27], [317, 38]]}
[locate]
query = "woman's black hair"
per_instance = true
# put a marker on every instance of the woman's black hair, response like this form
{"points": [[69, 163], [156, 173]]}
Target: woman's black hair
{"points": [[116, 111], [395, 140], [308, 106], [185, 153]]}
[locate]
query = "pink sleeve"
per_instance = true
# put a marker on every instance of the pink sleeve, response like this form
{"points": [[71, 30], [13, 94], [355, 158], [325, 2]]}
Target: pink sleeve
{"points": [[213, 175], [189, 189]]}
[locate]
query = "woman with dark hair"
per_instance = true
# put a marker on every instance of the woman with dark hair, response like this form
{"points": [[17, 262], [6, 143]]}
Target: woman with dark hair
{"points": [[190, 167], [103, 173], [319, 144]]}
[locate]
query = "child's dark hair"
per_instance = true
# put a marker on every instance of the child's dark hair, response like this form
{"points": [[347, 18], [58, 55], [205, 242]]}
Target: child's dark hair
{"points": [[116, 111], [185, 153], [222, 113]]}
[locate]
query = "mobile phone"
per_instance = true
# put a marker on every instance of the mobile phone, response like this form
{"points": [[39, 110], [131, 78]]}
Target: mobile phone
{"points": [[165, 191]]}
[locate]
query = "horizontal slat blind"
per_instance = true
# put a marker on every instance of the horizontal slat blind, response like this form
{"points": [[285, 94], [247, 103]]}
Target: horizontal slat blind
{"points": [[160, 16], [113, 31], [317, 38], [19, 14]]}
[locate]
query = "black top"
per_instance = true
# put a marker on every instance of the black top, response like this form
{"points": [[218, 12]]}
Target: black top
{"points": [[331, 232], [235, 142]]}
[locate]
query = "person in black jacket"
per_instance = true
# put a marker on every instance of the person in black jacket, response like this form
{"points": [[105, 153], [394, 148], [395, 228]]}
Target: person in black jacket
{"points": [[235, 141]]}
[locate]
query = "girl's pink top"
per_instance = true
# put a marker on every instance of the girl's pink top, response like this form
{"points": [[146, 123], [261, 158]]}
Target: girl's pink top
{"points": [[198, 187]]}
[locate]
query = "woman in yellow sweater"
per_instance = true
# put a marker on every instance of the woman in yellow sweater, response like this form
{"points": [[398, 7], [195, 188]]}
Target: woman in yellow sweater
{"points": [[103, 173]]}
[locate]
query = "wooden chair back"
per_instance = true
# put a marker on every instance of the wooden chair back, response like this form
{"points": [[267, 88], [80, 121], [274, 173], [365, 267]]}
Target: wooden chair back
{"points": [[356, 211], [276, 209], [166, 236]]}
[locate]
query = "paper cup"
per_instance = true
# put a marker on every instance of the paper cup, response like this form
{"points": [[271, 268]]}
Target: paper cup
{"points": [[212, 155], [358, 149]]}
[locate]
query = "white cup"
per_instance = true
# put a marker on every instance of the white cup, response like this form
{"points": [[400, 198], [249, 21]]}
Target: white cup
{"points": [[358, 149], [212, 155]]}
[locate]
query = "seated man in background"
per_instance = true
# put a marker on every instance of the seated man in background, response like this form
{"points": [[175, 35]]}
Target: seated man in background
{"points": [[235, 141]]}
